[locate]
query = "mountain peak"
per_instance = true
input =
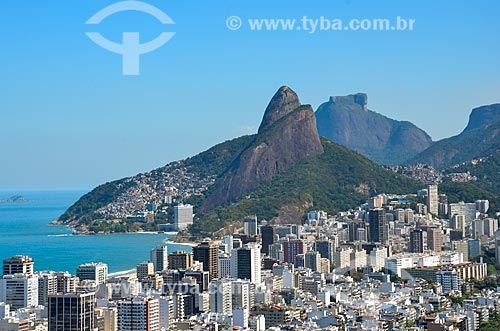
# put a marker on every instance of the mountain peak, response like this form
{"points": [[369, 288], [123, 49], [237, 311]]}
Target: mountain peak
{"points": [[358, 99], [287, 135], [347, 121], [479, 139], [483, 116], [284, 101]]}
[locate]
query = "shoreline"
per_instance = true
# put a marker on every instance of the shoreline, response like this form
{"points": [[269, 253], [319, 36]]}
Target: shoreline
{"points": [[172, 236], [121, 273], [189, 244], [77, 232], [170, 240]]}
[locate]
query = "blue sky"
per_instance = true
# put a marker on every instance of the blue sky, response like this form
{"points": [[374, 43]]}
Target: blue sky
{"points": [[70, 119]]}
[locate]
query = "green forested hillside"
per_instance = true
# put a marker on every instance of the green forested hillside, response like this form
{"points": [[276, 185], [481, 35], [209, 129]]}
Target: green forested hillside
{"points": [[337, 180]]}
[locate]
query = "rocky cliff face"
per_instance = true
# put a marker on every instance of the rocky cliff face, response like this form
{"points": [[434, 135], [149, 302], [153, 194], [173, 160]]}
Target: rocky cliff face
{"points": [[483, 117], [286, 135], [346, 120], [283, 103], [480, 138]]}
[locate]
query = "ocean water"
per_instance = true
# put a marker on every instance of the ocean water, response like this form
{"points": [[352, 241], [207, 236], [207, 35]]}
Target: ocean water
{"points": [[25, 229]]}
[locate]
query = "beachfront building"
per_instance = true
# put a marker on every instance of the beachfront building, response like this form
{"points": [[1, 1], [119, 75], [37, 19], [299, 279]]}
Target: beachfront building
{"points": [[18, 264], [97, 272], [159, 258]]}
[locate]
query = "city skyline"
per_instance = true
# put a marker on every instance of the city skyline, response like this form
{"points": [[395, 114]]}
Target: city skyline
{"points": [[413, 266]]}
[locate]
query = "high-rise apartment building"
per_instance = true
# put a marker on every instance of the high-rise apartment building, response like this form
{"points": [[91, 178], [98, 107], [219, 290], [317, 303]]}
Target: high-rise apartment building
{"points": [[292, 248], [221, 300], [376, 202], [418, 241], [246, 263], [183, 305], [47, 285], [458, 223], [497, 249], [97, 272], [250, 226], [312, 260], [19, 290], [72, 312], [434, 239], [180, 260], [18, 264], [376, 258], [484, 227], [109, 318], [242, 294], [463, 208], [66, 282], [183, 216], [449, 280], [159, 257], [482, 206], [144, 270], [268, 235], [326, 248], [474, 247], [379, 230], [343, 259], [461, 246], [357, 231], [207, 252], [139, 313], [225, 266], [432, 199]]}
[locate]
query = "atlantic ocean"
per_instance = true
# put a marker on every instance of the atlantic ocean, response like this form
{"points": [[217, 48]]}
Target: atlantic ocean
{"points": [[25, 230]]}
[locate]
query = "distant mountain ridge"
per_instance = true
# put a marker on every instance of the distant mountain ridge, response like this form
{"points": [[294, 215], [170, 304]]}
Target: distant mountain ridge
{"points": [[480, 138], [286, 169], [277, 174], [347, 121]]}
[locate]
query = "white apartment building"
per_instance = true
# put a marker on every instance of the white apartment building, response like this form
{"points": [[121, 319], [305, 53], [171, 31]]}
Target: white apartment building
{"points": [[139, 313]]}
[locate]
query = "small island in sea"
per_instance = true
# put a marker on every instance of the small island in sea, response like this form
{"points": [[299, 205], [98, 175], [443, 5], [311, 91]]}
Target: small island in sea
{"points": [[14, 198]]}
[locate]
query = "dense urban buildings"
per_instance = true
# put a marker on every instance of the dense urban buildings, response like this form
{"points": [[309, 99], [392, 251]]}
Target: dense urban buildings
{"points": [[389, 264]]}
